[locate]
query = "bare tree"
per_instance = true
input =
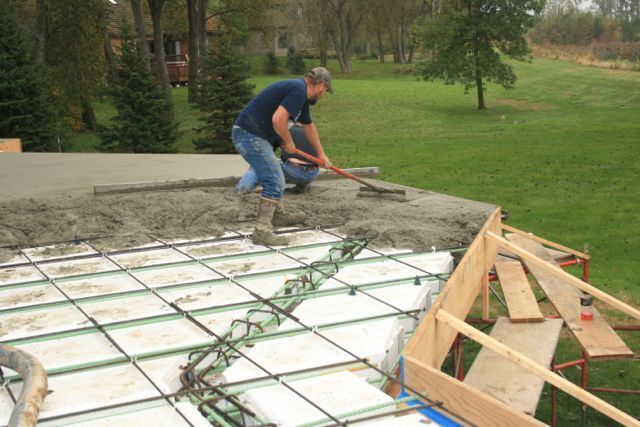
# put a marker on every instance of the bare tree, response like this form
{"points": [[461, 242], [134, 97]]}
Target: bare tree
{"points": [[162, 73], [348, 15], [136, 9]]}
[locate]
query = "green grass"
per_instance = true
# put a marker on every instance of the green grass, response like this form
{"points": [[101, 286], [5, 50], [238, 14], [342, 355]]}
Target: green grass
{"points": [[561, 152]]}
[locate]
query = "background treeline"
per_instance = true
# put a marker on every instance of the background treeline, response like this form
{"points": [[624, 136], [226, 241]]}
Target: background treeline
{"points": [[608, 31]]}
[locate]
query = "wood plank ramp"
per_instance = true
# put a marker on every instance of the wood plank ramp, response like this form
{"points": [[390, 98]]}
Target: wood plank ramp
{"points": [[596, 337], [521, 302], [500, 378]]}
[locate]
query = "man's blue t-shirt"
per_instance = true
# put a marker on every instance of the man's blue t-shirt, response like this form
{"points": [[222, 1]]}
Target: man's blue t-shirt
{"points": [[256, 117]]}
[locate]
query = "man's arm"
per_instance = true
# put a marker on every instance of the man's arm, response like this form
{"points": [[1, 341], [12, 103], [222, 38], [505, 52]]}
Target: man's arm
{"points": [[280, 121], [311, 133]]}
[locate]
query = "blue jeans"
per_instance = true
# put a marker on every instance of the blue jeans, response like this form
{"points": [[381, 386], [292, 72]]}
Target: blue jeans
{"points": [[258, 153], [292, 175]]}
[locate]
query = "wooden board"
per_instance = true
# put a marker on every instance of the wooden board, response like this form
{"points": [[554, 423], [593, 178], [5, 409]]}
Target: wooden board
{"points": [[522, 303], [462, 399], [12, 145], [533, 367], [494, 375], [595, 336], [432, 340]]}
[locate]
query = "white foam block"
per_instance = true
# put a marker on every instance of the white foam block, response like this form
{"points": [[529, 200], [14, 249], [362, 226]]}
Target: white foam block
{"points": [[254, 264], [29, 295], [337, 308], [43, 321], [62, 250], [172, 275], [337, 393], [217, 294], [111, 310], [77, 267], [94, 389], [73, 350], [370, 340], [149, 257], [220, 249], [13, 275], [155, 337], [102, 285]]}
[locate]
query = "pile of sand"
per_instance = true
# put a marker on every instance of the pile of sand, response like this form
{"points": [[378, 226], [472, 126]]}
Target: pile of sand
{"points": [[424, 221]]}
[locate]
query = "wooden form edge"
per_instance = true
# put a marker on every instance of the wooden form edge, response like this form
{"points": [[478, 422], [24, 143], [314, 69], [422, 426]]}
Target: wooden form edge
{"points": [[558, 272], [431, 342], [460, 398], [537, 369], [227, 181], [546, 242]]}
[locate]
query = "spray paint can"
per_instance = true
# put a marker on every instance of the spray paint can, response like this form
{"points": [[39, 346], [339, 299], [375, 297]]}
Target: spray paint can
{"points": [[586, 306]]}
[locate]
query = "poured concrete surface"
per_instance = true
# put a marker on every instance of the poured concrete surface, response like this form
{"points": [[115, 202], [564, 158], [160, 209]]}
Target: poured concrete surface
{"points": [[26, 175]]}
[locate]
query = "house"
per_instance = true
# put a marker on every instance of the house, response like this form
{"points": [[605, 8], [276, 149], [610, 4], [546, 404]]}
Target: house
{"points": [[288, 28]]}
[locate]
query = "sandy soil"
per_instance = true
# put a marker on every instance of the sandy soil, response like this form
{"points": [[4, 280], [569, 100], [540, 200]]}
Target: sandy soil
{"points": [[424, 220]]}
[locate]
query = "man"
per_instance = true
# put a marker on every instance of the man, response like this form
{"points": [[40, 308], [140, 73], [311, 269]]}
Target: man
{"points": [[295, 168], [263, 124]]}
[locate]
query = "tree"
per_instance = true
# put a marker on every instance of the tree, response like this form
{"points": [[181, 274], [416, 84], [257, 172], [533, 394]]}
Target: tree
{"points": [[223, 93], [140, 125], [340, 21], [465, 41], [25, 108], [74, 53], [156, 7]]}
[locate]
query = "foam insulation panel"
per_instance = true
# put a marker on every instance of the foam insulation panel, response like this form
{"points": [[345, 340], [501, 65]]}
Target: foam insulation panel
{"points": [[149, 257], [63, 250], [173, 275], [99, 285], [337, 393], [376, 341], [29, 295]]}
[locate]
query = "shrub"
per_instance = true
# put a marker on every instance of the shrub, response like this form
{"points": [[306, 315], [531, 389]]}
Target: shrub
{"points": [[271, 63], [223, 93], [295, 62], [141, 124]]}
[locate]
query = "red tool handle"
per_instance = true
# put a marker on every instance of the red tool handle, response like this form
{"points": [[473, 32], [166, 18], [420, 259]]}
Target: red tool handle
{"points": [[335, 169]]}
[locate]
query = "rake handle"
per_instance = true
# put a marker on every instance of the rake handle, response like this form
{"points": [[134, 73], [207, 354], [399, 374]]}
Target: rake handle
{"points": [[335, 169]]}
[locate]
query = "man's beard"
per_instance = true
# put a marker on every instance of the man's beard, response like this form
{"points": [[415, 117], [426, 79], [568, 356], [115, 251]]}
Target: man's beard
{"points": [[312, 101]]}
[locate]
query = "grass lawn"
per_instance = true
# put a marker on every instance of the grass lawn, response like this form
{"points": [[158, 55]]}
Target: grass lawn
{"points": [[561, 152]]}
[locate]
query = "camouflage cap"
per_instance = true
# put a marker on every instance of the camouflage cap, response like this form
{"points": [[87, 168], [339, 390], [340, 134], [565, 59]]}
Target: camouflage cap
{"points": [[323, 75]]}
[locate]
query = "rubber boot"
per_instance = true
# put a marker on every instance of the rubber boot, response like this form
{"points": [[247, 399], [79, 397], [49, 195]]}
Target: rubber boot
{"points": [[282, 218], [263, 232]]}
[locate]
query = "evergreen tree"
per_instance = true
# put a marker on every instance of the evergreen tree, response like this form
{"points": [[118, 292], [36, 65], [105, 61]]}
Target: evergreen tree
{"points": [[465, 42], [271, 63], [295, 62], [141, 125], [223, 93], [25, 110]]}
